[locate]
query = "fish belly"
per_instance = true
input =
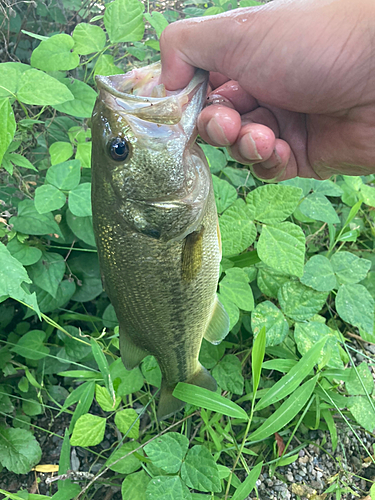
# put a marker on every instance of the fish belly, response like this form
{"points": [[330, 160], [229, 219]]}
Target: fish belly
{"points": [[162, 309]]}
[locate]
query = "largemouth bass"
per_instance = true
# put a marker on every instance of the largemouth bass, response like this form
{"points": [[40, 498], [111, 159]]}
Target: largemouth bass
{"points": [[156, 226]]}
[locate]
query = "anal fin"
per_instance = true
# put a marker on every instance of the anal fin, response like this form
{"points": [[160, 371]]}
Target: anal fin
{"points": [[131, 355], [218, 327]]}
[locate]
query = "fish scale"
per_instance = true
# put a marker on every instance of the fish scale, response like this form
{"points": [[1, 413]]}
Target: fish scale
{"points": [[155, 224]]}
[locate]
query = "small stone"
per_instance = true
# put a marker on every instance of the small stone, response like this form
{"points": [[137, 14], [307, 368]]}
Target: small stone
{"points": [[290, 477], [301, 453], [298, 478], [317, 485]]}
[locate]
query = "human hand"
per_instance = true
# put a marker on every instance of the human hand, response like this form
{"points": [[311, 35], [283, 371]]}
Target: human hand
{"points": [[293, 80]]}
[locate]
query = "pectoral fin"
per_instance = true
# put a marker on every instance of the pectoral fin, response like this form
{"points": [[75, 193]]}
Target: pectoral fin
{"points": [[218, 326], [131, 355], [192, 255]]}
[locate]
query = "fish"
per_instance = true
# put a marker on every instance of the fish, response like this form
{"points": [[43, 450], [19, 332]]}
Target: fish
{"points": [[156, 225]]}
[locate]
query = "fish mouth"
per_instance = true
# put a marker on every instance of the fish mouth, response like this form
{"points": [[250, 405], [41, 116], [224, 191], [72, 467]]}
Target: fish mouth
{"points": [[140, 93]]}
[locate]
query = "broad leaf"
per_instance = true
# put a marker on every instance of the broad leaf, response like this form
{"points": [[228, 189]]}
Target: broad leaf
{"points": [[308, 334], [318, 207], [30, 221], [349, 268], [80, 200], [64, 175], [19, 450], [267, 315], [130, 463], [168, 451], [38, 88], [355, 305], [166, 488], [228, 374], [157, 21], [319, 274], [88, 431], [225, 194], [274, 202], [235, 287], [31, 346], [215, 158], [237, 228], [199, 470], [282, 247], [48, 198], [48, 272], [60, 151], [363, 411], [7, 126], [134, 486], [123, 20], [55, 54], [127, 422], [300, 302], [88, 38], [84, 99], [25, 254]]}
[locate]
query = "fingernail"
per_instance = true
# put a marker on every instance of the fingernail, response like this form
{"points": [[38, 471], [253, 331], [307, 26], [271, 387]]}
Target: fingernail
{"points": [[248, 149], [216, 132]]}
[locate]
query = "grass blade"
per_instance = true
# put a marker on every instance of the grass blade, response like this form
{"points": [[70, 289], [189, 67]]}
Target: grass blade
{"points": [[286, 412], [248, 485], [294, 377], [103, 365], [209, 400], [257, 356]]}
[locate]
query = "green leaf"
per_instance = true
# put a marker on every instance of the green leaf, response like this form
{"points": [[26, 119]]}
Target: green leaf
{"points": [[88, 431], [355, 305], [319, 274], [19, 450], [270, 281], [166, 488], [307, 334], [7, 126], [103, 365], [81, 227], [31, 346], [289, 383], [48, 272], [210, 354], [228, 374], [267, 315], [88, 38], [318, 207], [84, 99], [85, 400], [60, 152], [84, 154], [359, 379], [225, 194], [199, 470], [30, 221], [274, 202], [204, 398], [326, 187], [24, 253], [75, 347], [131, 380], [257, 357], [124, 465], [237, 228], [138, 50], [12, 274], [41, 89], [300, 302], [64, 175], [55, 54], [47, 303], [368, 195], [20, 161], [157, 21], [286, 412], [126, 419], [104, 399], [105, 66], [349, 268], [215, 158], [244, 490], [282, 247], [10, 75], [151, 370], [168, 451], [80, 200], [363, 412], [48, 198], [235, 287], [327, 415], [134, 486], [123, 20]]}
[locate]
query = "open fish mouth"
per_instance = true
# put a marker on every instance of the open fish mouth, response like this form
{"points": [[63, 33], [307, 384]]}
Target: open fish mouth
{"points": [[140, 93]]}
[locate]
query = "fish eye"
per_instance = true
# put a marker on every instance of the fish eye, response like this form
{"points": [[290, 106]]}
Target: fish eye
{"points": [[119, 149]]}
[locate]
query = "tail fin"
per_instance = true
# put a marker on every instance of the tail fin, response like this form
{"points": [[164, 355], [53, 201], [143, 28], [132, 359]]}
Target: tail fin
{"points": [[168, 404]]}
